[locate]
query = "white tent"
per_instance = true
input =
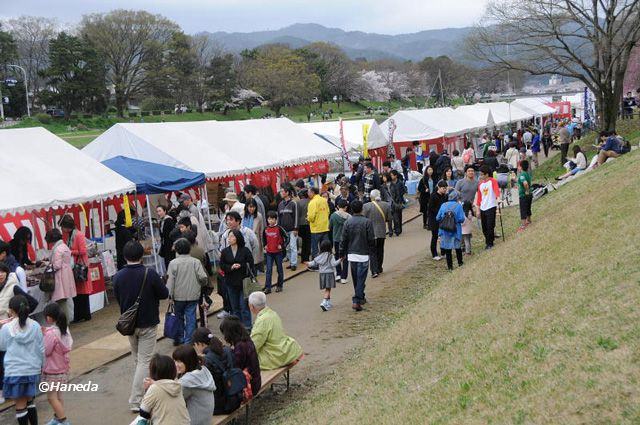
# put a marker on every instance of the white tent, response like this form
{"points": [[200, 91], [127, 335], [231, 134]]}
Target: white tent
{"points": [[410, 129], [445, 120], [40, 170], [353, 132], [502, 112], [216, 148], [534, 106], [482, 115]]}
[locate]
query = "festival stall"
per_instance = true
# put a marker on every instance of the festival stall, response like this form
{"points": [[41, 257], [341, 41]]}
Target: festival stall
{"points": [[356, 133], [263, 152], [153, 179], [535, 106], [45, 178]]}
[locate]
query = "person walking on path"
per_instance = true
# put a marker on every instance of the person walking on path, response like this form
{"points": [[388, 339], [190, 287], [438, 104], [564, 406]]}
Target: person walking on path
{"points": [[357, 243], [426, 186], [274, 239], [525, 195], [304, 230], [131, 281], [288, 220], [326, 265], [371, 181], [438, 198], [166, 224], [565, 139], [57, 346], [336, 224], [318, 217], [21, 340], [186, 278], [236, 262], [468, 186], [65, 286], [487, 204], [535, 147], [451, 240], [274, 347], [379, 214], [77, 244], [397, 189]]}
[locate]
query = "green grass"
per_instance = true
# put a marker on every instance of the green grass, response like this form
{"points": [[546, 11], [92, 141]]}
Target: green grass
{"points": [[542, 329]]}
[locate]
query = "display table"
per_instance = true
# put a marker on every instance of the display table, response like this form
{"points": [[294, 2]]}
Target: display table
{"points": [[97, 296]]}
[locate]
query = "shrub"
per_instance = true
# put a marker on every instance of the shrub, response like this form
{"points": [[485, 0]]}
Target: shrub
{"points": [[81, 127], [168, 112], [43, 118], [112, 110], [133, 114], [144, 113], [87, 116]]}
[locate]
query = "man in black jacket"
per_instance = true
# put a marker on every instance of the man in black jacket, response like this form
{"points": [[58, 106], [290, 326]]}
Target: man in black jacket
{"points": [[127, 285], [438, 197], [357, 243]]}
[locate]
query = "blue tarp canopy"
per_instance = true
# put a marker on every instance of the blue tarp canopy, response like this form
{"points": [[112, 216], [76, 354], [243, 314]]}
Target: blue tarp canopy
{"points": [[153, 178]]}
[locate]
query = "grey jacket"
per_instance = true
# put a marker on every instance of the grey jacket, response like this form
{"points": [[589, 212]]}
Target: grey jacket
{"points": [[186, 278], [378, 222], [198, 387], [325, 262], [303, 205]]}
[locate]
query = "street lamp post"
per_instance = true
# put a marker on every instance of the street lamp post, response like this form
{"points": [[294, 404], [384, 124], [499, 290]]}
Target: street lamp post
{"points": [[26, 90]]}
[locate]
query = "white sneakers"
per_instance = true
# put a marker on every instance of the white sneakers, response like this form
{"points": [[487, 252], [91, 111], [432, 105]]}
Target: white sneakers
{"points": [[437, 258], [222, 314], [343, 281], [326, 305]]}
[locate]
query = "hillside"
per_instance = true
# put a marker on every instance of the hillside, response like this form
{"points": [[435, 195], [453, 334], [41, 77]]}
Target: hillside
{"points": [[357, 44], [542, 329]]}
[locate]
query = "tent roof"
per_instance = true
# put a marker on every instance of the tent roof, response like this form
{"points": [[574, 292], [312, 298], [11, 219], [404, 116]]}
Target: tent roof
{"points": [[217, 148], [353, 135], [153, 178], [450, 122], [410, 129], [502, 112], [534, 105], [482, 115], [40, 170]]}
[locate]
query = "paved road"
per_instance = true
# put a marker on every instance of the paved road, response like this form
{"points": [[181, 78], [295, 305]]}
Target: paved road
{"points": [[298, 306]]}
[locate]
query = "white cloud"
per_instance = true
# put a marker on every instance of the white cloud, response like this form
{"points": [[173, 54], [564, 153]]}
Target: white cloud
{"points": [[382, 16]]}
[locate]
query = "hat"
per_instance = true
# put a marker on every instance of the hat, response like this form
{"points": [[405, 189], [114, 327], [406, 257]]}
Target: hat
{"points": [[184, 197], [375, 195], [231, 196], [454, 195]]}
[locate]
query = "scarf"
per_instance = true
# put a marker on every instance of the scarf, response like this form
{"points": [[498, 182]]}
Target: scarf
{"points": [[247, 222]]}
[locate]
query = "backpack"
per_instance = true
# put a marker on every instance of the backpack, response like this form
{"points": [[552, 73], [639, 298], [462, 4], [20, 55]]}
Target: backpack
{"points": [[233, 378], [448, 222]]}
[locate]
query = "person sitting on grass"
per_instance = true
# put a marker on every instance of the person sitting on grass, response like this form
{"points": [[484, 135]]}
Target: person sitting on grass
{"points": [[579, 162], [610, 148], [275, 349]]}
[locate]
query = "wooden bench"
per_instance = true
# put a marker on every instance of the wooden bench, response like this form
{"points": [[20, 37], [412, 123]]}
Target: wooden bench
{"points": [[269, 378]]}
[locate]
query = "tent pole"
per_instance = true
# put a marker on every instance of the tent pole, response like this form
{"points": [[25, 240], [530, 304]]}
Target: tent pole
{"points": [[153, 239], [205, 196]]}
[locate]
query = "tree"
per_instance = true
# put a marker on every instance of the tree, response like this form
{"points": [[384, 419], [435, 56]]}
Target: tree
{"points": [[370, 86], [282, 77], [128, 41], [456, 79], [76, 74], [180, 66], [336, 71], [32, 35], [8, 49], [221, 78], [204, 50], [246, 98], [589, 40]]}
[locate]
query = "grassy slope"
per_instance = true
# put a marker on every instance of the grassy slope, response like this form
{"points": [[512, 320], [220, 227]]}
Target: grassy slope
{"points": [[543, 329]]}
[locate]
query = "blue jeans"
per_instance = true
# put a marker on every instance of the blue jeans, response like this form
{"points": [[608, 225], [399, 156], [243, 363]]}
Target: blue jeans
{"points": [[271, 258], [239, 306], [359, 272], [316, 239], [342, 269], [186, 315], [292, 249]]}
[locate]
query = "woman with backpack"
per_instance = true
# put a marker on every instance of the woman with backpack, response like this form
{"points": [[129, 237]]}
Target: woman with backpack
{"points": [[220, 362], [246, 356], [450, 218]]}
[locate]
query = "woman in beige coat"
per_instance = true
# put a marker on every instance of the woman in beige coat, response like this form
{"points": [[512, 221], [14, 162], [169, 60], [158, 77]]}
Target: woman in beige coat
{"points": [[254, 221]]}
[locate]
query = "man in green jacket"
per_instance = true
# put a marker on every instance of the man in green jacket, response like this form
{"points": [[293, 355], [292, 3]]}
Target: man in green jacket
{"points": [[275, 349]]}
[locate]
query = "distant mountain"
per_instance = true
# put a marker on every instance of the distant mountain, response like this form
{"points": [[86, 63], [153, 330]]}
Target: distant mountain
{"points": [[356, 44]]}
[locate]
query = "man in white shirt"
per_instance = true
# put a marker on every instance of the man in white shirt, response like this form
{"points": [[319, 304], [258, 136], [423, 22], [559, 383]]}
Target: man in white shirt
{"points": [[487, 204]]}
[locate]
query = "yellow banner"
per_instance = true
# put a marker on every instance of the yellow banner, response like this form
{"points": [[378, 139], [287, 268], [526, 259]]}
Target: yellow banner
{"points": [[84, 215], [127, 211], [365, 139]]}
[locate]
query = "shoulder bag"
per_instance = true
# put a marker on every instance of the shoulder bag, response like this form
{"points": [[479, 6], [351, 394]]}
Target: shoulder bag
{"points": [[448, 222], [250, 283], [48, 279], [80, 270], [127, 322]]}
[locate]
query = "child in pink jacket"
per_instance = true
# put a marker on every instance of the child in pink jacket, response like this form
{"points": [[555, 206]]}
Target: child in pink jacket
{"points": [[467, 227], [57, 345]]}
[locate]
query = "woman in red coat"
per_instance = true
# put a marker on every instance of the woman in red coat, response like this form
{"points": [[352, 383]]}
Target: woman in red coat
{"points": [[75, 240]]}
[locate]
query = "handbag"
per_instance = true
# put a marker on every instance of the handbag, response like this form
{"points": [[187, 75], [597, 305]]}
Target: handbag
{"points": [[80, 270], [250, 283], [448, 222], [127, 321], [48, 279], [171, 327]]}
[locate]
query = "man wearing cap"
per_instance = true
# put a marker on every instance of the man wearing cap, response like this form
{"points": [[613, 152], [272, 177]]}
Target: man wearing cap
{"points": [[233, 204], [187, 203], [379, 213]]}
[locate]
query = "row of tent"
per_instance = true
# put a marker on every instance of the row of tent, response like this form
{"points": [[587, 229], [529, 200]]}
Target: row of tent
{"points": [[41, 171]]}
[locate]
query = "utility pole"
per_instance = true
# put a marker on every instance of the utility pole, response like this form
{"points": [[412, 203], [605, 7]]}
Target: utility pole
{"points": [[441, 90], [26, 90]]}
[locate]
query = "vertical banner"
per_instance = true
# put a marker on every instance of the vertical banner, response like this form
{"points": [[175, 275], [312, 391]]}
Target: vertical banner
{"points": [[127, 211], [343, 144], [365, 140], [392, 129], [586, 116]]}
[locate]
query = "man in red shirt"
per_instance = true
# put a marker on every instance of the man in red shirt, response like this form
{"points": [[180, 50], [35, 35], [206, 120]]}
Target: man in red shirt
{"points": [[487, 204]]}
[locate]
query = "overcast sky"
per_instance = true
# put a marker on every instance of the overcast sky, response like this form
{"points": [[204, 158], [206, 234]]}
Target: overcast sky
{"points": [[381, 16]]}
